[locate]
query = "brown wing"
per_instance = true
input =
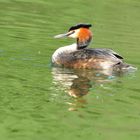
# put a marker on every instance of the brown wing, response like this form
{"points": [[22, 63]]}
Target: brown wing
{"points": [[90, 58]]}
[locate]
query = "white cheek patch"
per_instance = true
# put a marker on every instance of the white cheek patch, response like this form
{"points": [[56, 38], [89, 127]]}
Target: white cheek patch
{"points": [[75, 34]]}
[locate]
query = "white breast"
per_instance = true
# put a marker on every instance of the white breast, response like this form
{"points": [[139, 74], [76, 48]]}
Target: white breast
{"points": [[65, 49]]}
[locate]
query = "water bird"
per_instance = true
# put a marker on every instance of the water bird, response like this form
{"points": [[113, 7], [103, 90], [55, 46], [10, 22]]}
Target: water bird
{"points": [[79, 56]]}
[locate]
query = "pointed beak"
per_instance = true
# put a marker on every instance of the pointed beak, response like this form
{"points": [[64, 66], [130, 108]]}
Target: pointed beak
{"points": [[64, 35]]}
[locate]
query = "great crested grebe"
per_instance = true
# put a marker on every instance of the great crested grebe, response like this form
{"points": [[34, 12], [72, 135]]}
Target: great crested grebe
{"points": [[78, 55]]}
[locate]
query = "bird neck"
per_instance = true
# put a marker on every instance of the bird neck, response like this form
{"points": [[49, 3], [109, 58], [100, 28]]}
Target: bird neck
{"points": [[83, 44], [84, 38]]}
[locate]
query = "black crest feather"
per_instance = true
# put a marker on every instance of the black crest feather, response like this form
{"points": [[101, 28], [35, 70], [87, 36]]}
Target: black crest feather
{"points": [[81, 25]]}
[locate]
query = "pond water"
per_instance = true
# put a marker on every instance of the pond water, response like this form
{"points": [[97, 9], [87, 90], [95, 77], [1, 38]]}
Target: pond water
{"points": [[38, 101]]}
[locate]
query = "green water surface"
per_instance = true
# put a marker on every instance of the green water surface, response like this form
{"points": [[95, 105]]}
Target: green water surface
{"points": [[37, 101]]}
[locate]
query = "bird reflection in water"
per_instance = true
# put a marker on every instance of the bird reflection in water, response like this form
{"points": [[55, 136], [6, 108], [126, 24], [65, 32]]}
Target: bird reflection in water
{"points": [[78, 82]]}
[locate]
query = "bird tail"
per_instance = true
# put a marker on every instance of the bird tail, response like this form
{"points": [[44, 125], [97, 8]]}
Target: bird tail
{"points": [[124, 67]]}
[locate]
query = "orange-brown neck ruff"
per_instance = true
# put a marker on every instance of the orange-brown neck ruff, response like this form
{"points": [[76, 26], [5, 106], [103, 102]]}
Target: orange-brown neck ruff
{"points": [[84, 38]]}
